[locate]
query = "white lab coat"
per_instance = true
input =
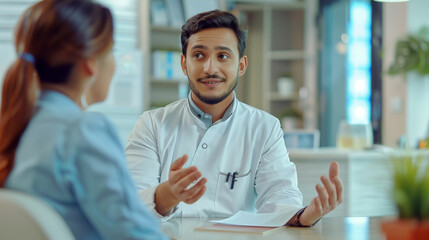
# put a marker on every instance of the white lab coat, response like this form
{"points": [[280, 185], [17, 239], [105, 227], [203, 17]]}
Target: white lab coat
{"points": [[247, 141]]}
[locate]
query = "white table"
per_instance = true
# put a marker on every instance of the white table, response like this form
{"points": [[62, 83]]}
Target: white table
{"points": [[366, 177], [332, 228]]}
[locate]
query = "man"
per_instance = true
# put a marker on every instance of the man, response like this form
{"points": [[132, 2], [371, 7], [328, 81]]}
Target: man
{"points": [[230, 156]]}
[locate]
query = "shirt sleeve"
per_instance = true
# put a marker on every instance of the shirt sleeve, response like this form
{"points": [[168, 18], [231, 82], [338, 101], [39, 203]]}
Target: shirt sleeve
{"points": [[103, 188], [144, 163], [276, 181]]}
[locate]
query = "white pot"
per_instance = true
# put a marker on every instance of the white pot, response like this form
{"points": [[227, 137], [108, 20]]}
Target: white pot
{"points": [[285, 86]]}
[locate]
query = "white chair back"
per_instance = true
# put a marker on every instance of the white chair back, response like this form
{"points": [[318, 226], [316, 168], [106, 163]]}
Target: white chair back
{"points": [[23, 216]]}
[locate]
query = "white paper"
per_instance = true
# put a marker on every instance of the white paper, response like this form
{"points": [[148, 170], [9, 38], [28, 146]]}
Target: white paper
{"points": [[277, 219]]}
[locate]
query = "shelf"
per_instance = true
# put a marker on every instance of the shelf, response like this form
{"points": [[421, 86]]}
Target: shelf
{"points": [[274, 96], [286, 55], [167, 81], [167, 29], [115, 110], [165, 38], [256, 5]]}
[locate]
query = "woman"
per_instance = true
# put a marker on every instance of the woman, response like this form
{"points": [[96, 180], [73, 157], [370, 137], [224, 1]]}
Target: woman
{"points": [[50, 147]]}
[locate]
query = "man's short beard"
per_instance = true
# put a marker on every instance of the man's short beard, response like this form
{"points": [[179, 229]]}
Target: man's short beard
{"points": [[214, 100]]}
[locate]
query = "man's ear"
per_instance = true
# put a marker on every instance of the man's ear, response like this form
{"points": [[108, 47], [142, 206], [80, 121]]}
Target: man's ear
{"points": [[242, 66], [183, 64], [89, 66]]}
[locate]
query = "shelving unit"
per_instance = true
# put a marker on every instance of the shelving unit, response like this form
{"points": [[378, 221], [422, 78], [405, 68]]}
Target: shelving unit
{"points": [[282, 39], [159, 91], [165, 90]]}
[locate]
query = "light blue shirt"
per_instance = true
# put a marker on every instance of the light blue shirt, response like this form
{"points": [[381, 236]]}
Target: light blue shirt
{"points": [[207, 118], [245, 140], [74, 161]]}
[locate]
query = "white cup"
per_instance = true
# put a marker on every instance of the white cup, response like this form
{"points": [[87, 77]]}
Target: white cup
{"points": [[354, 136]]}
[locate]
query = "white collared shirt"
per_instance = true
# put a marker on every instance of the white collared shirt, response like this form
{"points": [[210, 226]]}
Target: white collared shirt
{"points": [[246, 140]]}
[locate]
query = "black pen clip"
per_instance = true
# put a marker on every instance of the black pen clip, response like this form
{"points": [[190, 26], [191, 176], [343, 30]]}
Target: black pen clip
{"points": [[233, 180]]}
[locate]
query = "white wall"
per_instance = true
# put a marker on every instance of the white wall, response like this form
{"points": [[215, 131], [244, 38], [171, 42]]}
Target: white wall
{"points": [[10, 11], [7, 57], [405, 97], [418, 87]]}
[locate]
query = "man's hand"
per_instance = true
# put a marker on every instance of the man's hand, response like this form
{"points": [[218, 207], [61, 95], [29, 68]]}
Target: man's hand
{"points": [[176, 189], [329, 196], [180, 178]]}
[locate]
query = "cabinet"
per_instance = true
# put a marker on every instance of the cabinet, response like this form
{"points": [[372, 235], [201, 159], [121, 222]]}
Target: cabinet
{"points": [[160, 42], [282, 40], [167, 81], [161, 48], [281, 43], [366, 175]]}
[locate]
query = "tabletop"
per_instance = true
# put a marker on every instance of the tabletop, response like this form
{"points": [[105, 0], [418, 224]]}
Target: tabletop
{"points": [[332, 228]]}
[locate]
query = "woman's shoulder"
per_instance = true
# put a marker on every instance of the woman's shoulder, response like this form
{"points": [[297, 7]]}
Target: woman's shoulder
{"points": [[93, 127], [93, 119]]}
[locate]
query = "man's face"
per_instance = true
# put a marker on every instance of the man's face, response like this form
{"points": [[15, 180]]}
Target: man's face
{"points": [[212, 64]]}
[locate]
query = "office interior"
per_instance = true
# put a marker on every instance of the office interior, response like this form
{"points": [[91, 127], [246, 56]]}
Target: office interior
{"points": [[317, 65], [312, 63]]}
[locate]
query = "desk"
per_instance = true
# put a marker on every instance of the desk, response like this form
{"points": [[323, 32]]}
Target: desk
{"points": [[366, 177], [329, 228]]}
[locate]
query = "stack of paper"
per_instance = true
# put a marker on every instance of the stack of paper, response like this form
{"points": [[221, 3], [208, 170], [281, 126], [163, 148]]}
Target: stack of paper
{"points": [[254, 223]]}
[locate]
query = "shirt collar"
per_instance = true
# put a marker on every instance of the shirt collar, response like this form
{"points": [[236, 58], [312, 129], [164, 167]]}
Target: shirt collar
{"points": [[207, 118], [51, 98]]}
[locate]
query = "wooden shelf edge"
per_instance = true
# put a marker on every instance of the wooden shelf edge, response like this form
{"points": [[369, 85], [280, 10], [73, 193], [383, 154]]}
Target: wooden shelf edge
{"points": [[165, 29], [255, 5], [167, 81], [275, 96], [286, 55]]}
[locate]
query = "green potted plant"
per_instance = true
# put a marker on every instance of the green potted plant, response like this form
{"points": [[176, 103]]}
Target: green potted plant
{"points": [[290, 118], [412, 55], [411, 196]]}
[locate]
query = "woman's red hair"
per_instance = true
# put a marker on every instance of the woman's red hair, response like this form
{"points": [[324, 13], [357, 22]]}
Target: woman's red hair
{"points": [[57, 33]]}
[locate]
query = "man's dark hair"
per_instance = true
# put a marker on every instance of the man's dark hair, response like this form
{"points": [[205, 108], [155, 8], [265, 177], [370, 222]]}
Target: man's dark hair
{"points": [[213, 19]]}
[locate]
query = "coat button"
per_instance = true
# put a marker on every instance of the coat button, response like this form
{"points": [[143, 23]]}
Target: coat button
{"points": [[205, 145]]}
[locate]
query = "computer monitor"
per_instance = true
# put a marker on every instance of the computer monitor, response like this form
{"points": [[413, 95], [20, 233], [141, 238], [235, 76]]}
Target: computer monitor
{"points": [[301, 138]]}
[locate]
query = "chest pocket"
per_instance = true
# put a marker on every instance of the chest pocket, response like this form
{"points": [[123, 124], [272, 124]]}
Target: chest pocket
{"points": [[234, 192]]}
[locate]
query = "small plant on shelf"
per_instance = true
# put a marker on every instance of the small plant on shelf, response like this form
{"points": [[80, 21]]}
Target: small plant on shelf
{"points": [[291, 112], [290, 118]]}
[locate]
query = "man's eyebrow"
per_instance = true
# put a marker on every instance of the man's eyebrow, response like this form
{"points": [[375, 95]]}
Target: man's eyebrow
{"points": [[199, 47], [216, 48], [223, 48]]}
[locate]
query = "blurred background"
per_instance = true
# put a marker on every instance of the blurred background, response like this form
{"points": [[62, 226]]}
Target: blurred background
{"points": [[332, 69]]}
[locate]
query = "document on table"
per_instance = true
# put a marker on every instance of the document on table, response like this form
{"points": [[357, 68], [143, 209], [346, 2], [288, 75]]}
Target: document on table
{"points": [[276, 219]]}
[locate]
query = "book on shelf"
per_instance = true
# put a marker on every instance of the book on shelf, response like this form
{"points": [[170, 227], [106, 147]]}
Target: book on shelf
{"points": [[175, 13], [193, 7], [166, 65], [158, 13]]}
